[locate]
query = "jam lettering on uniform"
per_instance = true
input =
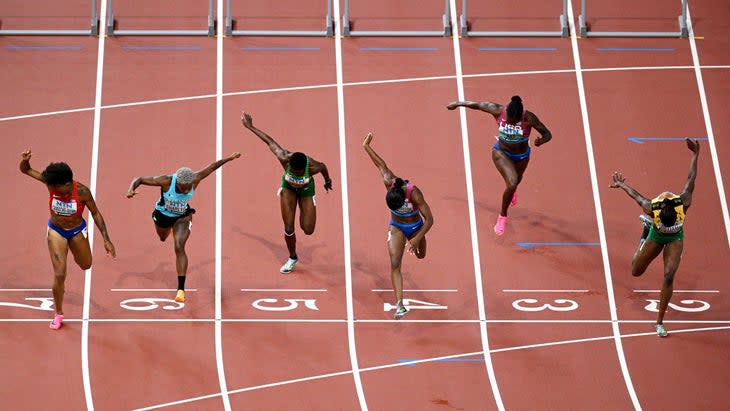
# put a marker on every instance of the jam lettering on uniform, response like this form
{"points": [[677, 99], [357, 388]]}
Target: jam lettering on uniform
{"points": [[296, 181], [63, 208], [406, 208]]}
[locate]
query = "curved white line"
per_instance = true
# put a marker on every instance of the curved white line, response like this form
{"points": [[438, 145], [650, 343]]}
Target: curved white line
{"points": [[472, 215], [599, 212]]}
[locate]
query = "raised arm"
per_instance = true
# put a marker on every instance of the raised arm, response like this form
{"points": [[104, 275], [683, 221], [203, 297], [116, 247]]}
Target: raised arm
{"points": [[689, 186], [619, 181], [88, 199], [201, 174], [160, 181], [491, 108], [25, 167], [545, 134], [388, 176], [275, 148]]}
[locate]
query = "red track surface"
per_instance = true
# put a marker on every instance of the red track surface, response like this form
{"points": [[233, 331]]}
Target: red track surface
{"points": [[300, 358]]}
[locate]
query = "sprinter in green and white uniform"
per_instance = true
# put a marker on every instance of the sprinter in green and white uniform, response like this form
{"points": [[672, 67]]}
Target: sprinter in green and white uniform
{"points": [[296, 188]]}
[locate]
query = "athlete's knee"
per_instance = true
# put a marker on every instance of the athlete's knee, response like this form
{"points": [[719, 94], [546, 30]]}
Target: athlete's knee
{"points": [[637, 271], [59, 278], [308, 230], [512, 183], [668, 279], [84, 265]]}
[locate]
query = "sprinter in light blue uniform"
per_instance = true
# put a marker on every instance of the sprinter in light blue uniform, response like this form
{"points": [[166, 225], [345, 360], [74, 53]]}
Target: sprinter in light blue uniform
{"points": [[172, 212]]}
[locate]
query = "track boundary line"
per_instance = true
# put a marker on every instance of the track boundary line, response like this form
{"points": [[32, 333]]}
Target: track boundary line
{"points": [[599, 211], [708, 127], [344, 321], [476, 260], [351, 84], [341, 132], [421, 361], [96, 133], [218, 329]]}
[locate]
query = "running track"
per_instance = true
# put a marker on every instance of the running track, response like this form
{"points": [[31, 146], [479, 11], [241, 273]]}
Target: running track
{"points": [[323, 338]]}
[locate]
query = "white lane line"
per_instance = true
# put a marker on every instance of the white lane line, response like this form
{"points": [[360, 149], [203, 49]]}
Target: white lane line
{"points": [[352, 84], [219, 211], [384, 290], [86, 378], [344, 321], [422, 361], [708, 128], [292, 290], [481, 306], [599, 212], [24, 289], [678, 291], [544, 291], [346, 216], [150, 289]]}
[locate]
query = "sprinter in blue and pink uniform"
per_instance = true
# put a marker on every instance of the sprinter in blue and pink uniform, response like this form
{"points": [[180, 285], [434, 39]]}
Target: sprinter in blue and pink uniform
{"points": [[511, 152]]}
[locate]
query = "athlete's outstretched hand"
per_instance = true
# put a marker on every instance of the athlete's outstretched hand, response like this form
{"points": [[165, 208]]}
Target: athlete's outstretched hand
{"points": [[367, 140], [618, 180], [693, 145], [246, 120]]}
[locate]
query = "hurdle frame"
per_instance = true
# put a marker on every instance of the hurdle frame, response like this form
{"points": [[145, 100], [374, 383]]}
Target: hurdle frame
{"points": [[563, 19], [329, 29], [445, 32], [92, 31], [682, 33], [111, 31]]}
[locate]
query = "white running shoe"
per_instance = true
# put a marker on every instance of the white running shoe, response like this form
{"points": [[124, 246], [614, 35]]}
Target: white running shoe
{"points": [[660, 331], [288, 266]]}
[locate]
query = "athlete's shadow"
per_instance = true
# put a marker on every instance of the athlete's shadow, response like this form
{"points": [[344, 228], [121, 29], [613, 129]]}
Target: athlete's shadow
{"points": [[278, 251]]}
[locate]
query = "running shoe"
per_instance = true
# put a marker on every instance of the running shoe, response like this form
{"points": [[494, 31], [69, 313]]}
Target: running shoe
{"points": [[180, 296], [288, 266], [501, 225], [660, 331], [400, 311], [514, 200], [57, 322]]}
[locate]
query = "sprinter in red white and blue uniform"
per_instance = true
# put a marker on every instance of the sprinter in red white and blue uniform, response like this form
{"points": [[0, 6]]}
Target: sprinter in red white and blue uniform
{"points": [[66, 230], [511, 152], [410, 220], [173, 214]]}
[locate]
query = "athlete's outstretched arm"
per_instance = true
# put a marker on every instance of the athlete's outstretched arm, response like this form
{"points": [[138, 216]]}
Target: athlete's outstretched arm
{"points": [[619, 181], [275, 148], [689, 186], [316, 167], [25, 167], [201, 174], [388, 176], [545, 134], [491, 108], [160, 181]]}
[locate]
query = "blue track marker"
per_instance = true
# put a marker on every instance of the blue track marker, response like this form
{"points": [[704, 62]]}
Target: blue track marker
{"points": [[634, 49], [556, 244], [518, 49], [162, 48], [641, 140], [399, 49], [42, 48], [405, 360], [280, 48]]}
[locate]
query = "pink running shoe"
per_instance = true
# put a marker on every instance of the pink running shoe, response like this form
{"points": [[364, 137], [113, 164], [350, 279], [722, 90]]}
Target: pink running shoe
{"points": [[57, 322], [501, 225], [514, 200]]}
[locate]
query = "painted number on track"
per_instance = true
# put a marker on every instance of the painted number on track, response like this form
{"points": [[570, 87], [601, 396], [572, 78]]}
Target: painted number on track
{"points": [[690, 306], [45, 304], [287, 304], [147, 304], [528, 304], [415, 305]]}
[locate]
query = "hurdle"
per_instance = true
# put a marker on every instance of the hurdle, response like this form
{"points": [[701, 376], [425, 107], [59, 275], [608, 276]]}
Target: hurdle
{"points": [[93, 30], [329, 27], [444, 31], [112, 31], [682, 33], [563, 32]]}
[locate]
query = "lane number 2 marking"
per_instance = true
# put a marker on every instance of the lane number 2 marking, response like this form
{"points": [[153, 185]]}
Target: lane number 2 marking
{"points": [[653, 306]]}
